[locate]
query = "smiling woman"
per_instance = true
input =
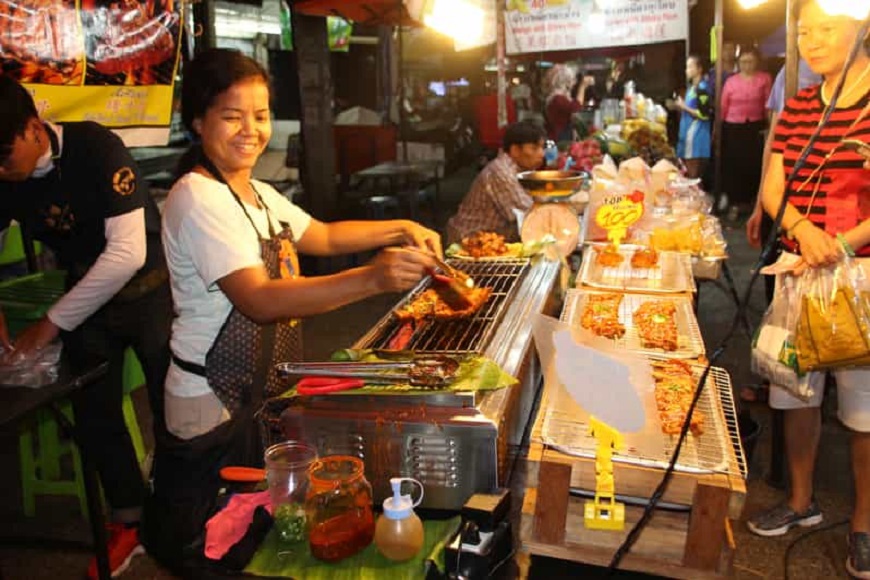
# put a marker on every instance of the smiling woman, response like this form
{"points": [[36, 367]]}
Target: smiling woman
{"points": [[231, 247]]}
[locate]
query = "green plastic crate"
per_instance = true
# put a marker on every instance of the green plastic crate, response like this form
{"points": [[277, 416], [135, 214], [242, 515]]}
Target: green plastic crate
{"points": [[26, 299]]}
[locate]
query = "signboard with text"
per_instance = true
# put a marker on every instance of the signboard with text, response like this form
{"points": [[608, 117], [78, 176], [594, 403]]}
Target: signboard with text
{"points": [[548, 25], [96, 60]]}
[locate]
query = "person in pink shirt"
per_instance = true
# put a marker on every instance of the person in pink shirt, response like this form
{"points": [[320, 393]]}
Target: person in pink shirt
{"points": [[743, 110]]}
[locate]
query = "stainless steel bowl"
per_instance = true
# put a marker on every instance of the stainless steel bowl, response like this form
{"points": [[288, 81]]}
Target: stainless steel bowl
{"points": [[552, 185]]}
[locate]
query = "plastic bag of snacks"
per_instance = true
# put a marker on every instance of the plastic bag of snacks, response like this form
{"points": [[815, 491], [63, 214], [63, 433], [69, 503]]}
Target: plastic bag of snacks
{"points": [[833, 329]]}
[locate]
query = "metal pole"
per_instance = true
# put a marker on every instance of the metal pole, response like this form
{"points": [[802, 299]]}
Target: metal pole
{"points": [[717, 119], [402, 93], [792, 57], [500, 64]]}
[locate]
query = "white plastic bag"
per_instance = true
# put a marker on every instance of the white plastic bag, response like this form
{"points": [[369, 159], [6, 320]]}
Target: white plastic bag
{"points": [[773, 355]]}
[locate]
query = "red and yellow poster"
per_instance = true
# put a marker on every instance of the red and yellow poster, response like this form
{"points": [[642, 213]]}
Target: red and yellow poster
{"points": [[109, 61]]}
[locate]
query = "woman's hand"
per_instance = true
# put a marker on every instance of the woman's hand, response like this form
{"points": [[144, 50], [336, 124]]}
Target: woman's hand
{"points": [[400, 269], [32, 340], [753, 227], [818, 248], [422, 238]]}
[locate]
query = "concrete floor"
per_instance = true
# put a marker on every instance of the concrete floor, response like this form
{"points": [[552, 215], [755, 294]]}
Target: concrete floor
{"points": [[819, 556]]}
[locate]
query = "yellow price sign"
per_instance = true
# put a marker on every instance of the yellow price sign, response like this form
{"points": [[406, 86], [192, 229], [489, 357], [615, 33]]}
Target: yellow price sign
{"points": [[619, 215]]}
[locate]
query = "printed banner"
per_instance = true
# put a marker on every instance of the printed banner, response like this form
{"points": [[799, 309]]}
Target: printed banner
{"points": [[109, 61], [545, 25]]}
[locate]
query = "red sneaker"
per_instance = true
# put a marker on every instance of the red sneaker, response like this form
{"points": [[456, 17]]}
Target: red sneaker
{"points": [[123, 545]]}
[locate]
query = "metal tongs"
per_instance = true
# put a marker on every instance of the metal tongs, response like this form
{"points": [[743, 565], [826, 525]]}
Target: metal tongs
{"points": [[454, 286], [429, 371]]}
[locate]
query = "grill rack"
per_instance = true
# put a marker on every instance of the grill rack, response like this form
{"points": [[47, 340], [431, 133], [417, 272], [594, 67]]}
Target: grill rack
{"points": [[462, 336], [690, 342], [672, 274], [567, 430]]}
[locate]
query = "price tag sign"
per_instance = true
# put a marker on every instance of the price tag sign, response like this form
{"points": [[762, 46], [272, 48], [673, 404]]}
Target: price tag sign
{"points": [[619, 214]]}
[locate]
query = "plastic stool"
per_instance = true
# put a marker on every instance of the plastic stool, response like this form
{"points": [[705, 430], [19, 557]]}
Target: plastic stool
{"points": [[376, 206], [40, 457]]}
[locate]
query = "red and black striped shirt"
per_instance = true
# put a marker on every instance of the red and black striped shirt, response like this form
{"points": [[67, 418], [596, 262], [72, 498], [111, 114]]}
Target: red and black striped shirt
{"points": [[843, 197]]}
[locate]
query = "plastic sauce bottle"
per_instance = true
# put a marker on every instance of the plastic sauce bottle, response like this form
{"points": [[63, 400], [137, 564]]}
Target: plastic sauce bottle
{"points": [[399, 531]]}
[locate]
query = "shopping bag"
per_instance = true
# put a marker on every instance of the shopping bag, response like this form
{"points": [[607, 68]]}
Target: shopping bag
{"points": [[833, 329], [773, 352]]}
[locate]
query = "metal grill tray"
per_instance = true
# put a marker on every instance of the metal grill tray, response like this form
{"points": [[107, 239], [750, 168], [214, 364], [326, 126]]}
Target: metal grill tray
{"points": [[673, 273], [566, 429], [466, 335], [690, 343]]}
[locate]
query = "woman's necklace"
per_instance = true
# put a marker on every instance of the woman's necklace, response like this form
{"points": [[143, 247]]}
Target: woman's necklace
{"points": [[846, 92]]}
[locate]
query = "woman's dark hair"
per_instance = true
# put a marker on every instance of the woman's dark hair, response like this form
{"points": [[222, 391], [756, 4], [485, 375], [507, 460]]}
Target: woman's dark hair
{"points": [[209, 75], [206, 77], [753, 50], [700, 62], [18, 109], [522, 133]]}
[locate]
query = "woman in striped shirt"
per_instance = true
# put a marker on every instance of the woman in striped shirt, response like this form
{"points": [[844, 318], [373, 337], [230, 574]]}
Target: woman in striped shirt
{"points": [[830, 196]]}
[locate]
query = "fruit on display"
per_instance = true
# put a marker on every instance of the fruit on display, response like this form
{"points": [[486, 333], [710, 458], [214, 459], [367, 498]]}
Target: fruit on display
{"points": [[617, 148], [585, 154], [648, 140]]}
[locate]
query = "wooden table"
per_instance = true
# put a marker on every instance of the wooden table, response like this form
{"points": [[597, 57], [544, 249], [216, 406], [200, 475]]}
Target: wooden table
{"points": [[695, 542], [403, 178], [17, 402]]}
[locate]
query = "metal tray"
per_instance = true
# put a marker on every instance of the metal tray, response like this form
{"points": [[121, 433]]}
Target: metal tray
{"points": [[566, 429], [673, 273], [690, 343]]}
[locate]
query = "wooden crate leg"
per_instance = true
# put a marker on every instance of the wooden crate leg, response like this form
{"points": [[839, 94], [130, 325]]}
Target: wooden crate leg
{"points": [[551, 507], [706, 536]]}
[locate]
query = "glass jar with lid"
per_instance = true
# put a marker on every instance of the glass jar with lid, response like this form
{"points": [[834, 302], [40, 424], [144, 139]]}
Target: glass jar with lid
{"points": [[339, 508]]}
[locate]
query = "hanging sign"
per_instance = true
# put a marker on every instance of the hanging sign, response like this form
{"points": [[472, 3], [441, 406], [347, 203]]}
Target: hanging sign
{"points": [[96, 60], [546, 25]]}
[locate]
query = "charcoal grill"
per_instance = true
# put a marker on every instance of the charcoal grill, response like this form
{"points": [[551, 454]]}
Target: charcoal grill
{"points": [[468, 335], [456, 444]]}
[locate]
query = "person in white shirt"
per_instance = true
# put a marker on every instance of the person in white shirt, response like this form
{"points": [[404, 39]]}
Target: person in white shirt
{"points": [[231, 246]]}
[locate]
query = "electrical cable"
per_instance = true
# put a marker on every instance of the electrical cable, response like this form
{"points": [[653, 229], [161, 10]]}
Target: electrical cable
{"points": [[803, 537], [769, 246]]}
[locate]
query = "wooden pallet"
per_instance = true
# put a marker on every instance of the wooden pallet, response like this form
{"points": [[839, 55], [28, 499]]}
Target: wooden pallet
{"points": [[694, 544]]}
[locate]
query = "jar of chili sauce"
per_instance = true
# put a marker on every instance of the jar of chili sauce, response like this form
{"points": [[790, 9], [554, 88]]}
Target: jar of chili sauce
{"points": [[339, 508]]}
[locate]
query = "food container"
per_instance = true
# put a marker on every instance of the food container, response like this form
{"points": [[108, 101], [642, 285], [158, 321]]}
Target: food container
{"points": [[339, 508], [287, 466]]}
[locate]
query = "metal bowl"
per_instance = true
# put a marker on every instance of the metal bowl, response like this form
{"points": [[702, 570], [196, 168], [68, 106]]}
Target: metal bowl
{"points": [[552, 185]]}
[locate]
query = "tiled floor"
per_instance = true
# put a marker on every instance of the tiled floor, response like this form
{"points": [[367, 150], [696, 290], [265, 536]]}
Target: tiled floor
{"points": [[820, 556]]}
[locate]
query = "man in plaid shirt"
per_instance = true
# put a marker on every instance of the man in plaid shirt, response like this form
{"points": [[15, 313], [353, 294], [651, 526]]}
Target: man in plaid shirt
{"points": [[495, 194]]}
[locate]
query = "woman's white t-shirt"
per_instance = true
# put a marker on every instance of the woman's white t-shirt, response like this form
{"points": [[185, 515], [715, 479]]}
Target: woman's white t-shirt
{"points": [[206, 236]]}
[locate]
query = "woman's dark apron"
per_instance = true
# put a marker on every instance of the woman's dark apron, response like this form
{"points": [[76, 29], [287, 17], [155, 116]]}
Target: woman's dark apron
{"points": [[239, 367]]}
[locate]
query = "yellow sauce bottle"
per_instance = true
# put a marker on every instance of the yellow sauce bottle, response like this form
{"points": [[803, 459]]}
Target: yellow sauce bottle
{"points": [[399, 531]]}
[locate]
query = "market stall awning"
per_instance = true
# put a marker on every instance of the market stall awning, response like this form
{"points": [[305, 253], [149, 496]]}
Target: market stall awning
{"points": [[388, 12]]}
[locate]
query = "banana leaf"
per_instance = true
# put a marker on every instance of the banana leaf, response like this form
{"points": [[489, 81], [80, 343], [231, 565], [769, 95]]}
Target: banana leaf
{"points": [[278, 559]]}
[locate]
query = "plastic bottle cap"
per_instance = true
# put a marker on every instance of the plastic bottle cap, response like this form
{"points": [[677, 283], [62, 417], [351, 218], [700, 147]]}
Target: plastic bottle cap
{"points": [[401, 506]]}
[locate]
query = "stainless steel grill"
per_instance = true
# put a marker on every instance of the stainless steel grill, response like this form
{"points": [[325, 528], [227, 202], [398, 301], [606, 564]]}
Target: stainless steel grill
{"points": [[457, 336]]}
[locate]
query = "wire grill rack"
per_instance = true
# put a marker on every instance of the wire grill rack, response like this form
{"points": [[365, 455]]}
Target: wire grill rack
{"points": [[566, 428], [673, 273], [690, 343], [464, 335]]}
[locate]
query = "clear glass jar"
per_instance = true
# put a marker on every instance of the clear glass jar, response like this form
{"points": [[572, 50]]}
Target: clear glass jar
{"points": [[287, 466], [339, 508]]}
